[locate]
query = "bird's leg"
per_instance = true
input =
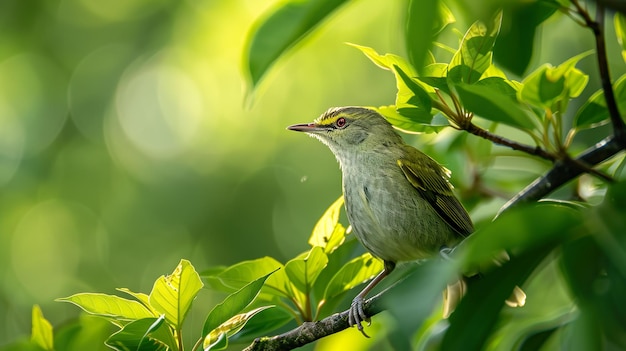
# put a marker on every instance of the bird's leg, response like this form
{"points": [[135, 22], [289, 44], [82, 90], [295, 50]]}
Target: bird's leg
{"points": [[356, 314]]}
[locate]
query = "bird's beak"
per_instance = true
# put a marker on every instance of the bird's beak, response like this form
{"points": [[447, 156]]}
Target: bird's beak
{"points": [[306, 127]]}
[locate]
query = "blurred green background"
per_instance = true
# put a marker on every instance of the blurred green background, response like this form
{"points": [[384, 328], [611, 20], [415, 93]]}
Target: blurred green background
{"points": [[128, 140]]}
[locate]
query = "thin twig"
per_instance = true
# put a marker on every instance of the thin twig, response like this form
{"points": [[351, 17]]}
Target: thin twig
{"points": [[309, 332], [497, 139]]}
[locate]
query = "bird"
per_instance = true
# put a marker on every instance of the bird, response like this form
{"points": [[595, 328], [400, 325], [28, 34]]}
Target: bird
{"points": [[399, 201]]}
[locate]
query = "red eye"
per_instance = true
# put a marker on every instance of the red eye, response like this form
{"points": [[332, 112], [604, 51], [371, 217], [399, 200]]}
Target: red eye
{"points": [[341, 122]]}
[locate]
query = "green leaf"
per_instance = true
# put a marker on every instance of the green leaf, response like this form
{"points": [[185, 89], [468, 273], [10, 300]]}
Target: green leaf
{"points": [[475, 53], [217, 338], [41, 333], [594, 111], [353, 273], [109, 306], [402, 120], [515, 45], [263, 323], [415, 98], [173, 294], [233, 304], [304, 269], [620, 31], [275, 34], [137, 336], [420, 29], [141, 297], [328, 232], [547, 85], [490, 102], [475, 317], [240, 274], [523, 232]]}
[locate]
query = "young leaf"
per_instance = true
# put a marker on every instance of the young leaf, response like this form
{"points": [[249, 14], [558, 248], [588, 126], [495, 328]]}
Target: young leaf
{"points": [[413, 97], [137, 336], [328, 232], [109, 306], [233, 304], [291, 22], [489, 102], [399, 119], [173, 294], [594, 111], [353, 273], [475, 54], [304, 269], [619, 21], [141, 297], [217, 339], [548, 84], [41, 330]]}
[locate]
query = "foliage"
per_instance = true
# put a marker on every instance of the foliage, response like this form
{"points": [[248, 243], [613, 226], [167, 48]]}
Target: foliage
{"points": [[567, 253]]}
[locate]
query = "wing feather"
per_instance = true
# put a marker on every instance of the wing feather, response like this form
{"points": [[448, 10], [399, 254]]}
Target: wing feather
{"points": [[431, 180]]}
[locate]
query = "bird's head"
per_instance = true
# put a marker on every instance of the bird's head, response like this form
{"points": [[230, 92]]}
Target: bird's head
{"points": [[350, 129]]}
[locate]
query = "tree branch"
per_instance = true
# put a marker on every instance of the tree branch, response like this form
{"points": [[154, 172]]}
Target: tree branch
{"points": [[563, 172], [309, 332]]}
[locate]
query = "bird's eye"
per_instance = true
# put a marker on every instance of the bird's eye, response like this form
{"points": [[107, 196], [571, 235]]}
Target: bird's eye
{"points": [[341, 122]]}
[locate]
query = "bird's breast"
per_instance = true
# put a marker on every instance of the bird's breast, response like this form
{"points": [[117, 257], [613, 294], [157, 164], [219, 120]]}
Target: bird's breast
{"points": [[390, 217]]}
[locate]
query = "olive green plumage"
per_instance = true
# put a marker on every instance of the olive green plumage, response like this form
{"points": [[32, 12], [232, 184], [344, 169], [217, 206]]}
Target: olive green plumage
{"points": [[398, 200]]}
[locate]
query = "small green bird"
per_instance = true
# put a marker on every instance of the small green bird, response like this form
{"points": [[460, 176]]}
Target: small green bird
{"points": [[398, 200]]}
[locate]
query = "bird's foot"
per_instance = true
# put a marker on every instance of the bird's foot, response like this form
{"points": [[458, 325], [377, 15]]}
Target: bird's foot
{"points": [[356, 315]]}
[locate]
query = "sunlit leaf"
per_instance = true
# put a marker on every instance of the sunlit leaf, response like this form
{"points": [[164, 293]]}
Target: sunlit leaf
{"points": [[328, 232], [353, 273], [233, 304], [475, 53], [407, 124], [240, 274], [137, 336], [619, 21], [414, 98], [547, 84], [173, 294], [304, 269], [490, 102], [594, 111], [275, 34], [41, 333], [141, 297], [215, 339], [110, 306]]}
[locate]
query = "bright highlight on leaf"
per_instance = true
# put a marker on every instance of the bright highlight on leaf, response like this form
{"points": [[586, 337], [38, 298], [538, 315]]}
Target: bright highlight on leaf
{"points": [[41, 333], [328, 233], [109, 306], [173, 294]]}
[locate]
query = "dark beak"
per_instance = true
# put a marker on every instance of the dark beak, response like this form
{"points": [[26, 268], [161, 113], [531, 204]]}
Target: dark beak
{"points": [[306, 127]]}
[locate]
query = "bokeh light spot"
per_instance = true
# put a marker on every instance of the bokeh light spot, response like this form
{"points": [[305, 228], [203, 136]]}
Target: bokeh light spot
{"points": [[159, 108], [45, 250]]}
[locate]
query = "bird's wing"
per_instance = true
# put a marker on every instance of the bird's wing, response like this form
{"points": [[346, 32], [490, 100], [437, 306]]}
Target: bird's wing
{"points": [[431, 181]]}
